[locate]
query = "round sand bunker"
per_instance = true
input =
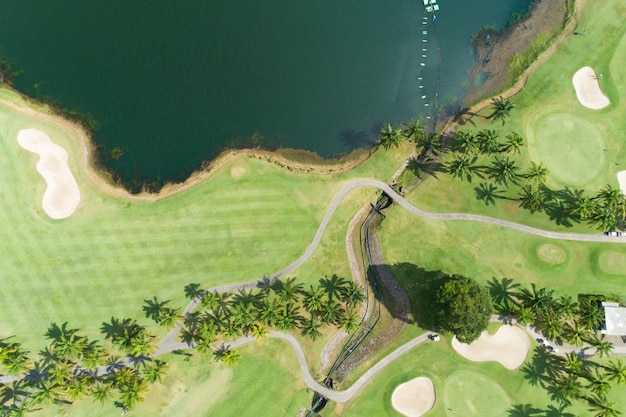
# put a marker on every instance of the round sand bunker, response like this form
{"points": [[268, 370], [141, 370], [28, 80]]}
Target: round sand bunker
{"points": [[414, 398], [509, 346]]}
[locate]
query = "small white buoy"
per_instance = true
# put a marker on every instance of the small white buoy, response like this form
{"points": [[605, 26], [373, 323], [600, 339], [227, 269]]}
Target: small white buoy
{"points": [[422, 64], [424, 96]]}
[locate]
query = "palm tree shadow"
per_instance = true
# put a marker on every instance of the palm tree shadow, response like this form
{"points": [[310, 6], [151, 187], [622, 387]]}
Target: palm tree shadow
{"points": [[488, 193], [552, 411], [524, 410], [355, 139], [428, 166]]}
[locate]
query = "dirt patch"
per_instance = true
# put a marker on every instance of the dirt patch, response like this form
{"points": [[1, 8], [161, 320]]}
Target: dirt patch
{"points": [[551, 254], [494, 52]]}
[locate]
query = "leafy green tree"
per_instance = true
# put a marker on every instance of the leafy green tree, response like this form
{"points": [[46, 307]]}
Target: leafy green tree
{"points": [[463, 307], [390, 137], [501, 109]]}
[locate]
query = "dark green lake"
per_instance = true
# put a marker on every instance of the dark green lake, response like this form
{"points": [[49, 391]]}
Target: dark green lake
{"points": [[173, 82]]}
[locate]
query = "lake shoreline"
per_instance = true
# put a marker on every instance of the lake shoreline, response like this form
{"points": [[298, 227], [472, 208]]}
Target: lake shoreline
{"points": [[104, 179]]}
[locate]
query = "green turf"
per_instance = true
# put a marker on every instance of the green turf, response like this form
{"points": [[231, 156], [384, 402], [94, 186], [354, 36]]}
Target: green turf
{"points": [[586, 150], [249, 220], [472, 394]]}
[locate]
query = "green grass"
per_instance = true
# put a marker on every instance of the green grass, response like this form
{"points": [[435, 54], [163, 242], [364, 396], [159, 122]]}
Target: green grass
{"points": [[249, 220], [473, 394], [265, 382]]}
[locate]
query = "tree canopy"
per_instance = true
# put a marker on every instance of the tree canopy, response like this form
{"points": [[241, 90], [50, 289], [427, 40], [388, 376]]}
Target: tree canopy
{"points": [[463, 307]]}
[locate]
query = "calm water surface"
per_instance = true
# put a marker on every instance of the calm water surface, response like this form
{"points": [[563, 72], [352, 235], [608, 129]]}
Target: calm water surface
{"points": [[174, 82]]}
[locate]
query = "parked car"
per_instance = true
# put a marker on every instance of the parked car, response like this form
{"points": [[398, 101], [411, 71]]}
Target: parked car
{"points": [[611, 233]]}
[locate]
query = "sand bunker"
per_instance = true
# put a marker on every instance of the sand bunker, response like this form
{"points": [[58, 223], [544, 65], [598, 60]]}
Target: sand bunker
{"points": [[621, 178], [62, 196], [414, 398], [588, 89], [509, 346]]}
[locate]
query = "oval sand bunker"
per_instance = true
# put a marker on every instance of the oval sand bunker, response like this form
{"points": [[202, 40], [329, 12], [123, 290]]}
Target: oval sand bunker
{"points": [[414, 398], [588, 89], [62, 195], [509, 346]]}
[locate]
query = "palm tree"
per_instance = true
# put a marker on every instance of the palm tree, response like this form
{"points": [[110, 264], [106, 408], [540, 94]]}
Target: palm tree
{"points": [[567, 306], [244, 316], [602, 407], [598, 383], [584, 207], [431, 143], [47, 392], [260, 332], [313, 299], [210, 300], [603, 346], [538, 299], [488, 193], [513, 143], [229, 357], [333, 286], [287, 291], [350, 321], [390, 137], [611, 197], [93, 357], [503, 170], [310, 327], [605, 220], [567, 388], [525, 315], [142, 344], [268, 311], [288, 317], [466, 142], [102, 392], [488, 140], [537, 173], [413, 130], [76, 388], [331, 311], [575, 334], [531, 198], [132, 392], [60, 372], [462, 166], [616, 371], [552, 325], [170, 317], [154, 370], [501, 109], [353, 294], [573, 363]]}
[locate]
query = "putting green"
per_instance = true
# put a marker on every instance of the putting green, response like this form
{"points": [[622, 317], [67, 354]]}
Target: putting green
{"points": [[472, 394], [551, 254], [571, 147], [612, 262]]}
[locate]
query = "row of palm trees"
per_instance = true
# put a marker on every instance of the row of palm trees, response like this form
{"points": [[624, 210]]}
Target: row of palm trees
{"points": [[558, 318], [284, 305], [572, 377], [72, 366]]}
